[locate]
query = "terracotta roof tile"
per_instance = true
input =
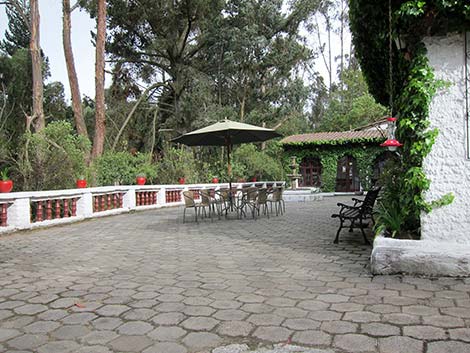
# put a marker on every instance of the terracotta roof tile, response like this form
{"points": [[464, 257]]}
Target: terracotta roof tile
{"points": [[333, 136]]}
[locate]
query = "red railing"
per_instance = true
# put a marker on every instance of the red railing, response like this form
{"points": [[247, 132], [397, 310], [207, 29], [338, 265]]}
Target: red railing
{"points": [[146, 198], [196, 193], [172, 196], [3, 214], [49, 209], [107, 201]]}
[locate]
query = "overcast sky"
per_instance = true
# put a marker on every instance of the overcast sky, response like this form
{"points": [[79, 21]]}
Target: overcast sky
{"points": [[51, 43]]}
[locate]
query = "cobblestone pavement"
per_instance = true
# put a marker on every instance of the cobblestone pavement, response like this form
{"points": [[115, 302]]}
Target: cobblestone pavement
{"points": [[146, 282]]}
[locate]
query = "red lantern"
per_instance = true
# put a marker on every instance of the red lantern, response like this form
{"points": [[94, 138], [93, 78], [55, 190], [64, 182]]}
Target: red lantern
{"points": [[392, 143]]}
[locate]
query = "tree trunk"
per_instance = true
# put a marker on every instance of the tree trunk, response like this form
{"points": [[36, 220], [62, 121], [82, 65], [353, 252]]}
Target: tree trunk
{"points": [[100, 117], [330, 73], [39, 121], [72, 74], [342, 40]]}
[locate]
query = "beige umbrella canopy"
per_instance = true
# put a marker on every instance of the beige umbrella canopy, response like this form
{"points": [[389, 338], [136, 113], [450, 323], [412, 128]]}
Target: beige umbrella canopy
{"points": [[227, 133]]}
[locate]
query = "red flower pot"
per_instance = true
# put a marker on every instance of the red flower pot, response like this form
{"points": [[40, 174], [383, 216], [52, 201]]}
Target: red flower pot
{"points": [[181, 181], [81, 183], [6, 186], [215, 180], [141, 180], [253, 179]]}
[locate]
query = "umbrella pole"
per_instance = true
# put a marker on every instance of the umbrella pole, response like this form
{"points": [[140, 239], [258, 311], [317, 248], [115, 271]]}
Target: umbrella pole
{"points": [[229, 169], [229, 166]]}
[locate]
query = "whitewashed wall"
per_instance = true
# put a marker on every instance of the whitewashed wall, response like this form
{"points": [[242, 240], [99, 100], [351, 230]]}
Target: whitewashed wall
{"points": [[447, 165], [444, 248]]}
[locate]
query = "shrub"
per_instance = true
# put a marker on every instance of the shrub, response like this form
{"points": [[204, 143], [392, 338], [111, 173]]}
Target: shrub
{"points": [[52, 158], [177, 163], [249, 162], [121, 168]]}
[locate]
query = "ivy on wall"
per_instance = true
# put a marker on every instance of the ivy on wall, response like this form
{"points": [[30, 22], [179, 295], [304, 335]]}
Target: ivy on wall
{"points": [[329, 155], [413, 86]]}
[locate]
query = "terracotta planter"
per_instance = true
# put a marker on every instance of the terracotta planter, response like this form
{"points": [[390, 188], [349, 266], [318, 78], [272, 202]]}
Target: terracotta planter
{"points": [[141, 180], [254, 179], [6, 185], [215, 180], [81, 183], [181, 181]]}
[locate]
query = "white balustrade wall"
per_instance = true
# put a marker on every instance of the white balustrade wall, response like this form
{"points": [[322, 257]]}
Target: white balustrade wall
{"points": [[28, 210]]}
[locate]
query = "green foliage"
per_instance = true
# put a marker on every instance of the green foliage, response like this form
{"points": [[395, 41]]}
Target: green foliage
{"points": [[389, 218], [122, 168], [329, 155], [18, 34], [51, 159], [414, 87], [177, 163], [4, 174], [249, 162], [350, 105]]}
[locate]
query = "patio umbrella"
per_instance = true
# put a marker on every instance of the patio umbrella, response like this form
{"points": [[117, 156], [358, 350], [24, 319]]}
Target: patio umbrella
{"points": [[226, 133]]}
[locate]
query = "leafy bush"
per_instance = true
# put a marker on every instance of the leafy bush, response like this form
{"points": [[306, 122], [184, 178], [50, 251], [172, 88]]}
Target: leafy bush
{"points": [[177, 163], [122, 168], [249, 162], [53, 158]]}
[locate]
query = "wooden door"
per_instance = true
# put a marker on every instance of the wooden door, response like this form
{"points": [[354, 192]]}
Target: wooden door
{"points": [[310, 169], [347, 178]]}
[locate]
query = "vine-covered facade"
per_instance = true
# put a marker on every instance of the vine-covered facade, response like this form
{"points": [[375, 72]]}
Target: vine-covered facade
{"points": [[344, 162]]}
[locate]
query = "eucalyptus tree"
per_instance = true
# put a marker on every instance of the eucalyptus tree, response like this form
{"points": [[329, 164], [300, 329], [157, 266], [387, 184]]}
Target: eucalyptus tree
{"points": [[70, 64], [100, 112], [256, 56]]}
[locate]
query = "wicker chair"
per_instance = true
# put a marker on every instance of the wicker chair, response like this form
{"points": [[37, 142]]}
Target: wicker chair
{"points": [[249, 200], [189, 202], [210, 202], [276, 199]]}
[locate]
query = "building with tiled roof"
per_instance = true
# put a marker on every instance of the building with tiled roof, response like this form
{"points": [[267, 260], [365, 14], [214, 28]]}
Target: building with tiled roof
{"points": [[336, 137], [339, 160]]}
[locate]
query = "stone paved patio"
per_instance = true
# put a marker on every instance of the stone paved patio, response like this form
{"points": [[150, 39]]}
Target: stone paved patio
{"points": [[146, 282]]}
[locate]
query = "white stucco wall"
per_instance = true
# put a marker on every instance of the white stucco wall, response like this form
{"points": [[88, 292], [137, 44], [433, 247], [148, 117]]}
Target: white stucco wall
{"points": [[447, 165], [444, 248]]}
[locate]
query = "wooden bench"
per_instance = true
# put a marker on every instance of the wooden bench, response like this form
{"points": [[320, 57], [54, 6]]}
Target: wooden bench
{"points": [[358, 214]]}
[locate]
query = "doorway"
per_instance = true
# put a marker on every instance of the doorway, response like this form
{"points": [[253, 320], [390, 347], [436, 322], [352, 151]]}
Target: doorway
{"points": [[347, 178]]}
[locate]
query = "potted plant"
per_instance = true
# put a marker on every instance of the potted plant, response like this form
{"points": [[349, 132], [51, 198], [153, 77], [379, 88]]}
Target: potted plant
{"points": [[215, 180], [141, 179], [182, 180], [6, 184], [81, 182]]}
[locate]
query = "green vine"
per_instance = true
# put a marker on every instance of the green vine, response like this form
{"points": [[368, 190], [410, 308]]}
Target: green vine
{"points": [[414, 87], [329, 155]]}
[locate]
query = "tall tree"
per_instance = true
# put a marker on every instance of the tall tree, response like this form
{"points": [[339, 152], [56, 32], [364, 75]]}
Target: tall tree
{"points": [[71, 72], [37, 116], [100, 115], [18, 34]]}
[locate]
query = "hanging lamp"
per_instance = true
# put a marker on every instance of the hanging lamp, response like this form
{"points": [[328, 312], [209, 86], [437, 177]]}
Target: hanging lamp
{"points": [[391, 143]]}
